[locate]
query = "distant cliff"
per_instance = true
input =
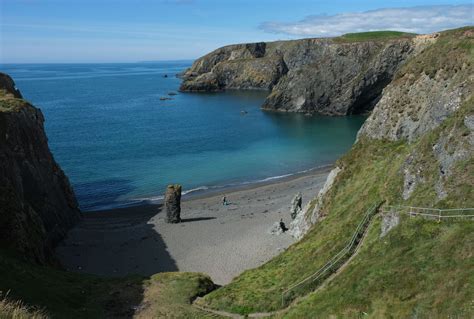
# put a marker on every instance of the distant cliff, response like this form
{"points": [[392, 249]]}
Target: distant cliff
{"points": [[338, 76], [37, 203]]}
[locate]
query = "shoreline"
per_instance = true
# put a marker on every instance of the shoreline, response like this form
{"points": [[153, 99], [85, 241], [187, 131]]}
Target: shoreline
{"points": [[210, 191], [221, 241]]}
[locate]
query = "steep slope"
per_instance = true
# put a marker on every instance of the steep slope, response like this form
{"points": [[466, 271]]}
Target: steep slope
{"points": [[421, 268], [37, 203], [336, 76]]}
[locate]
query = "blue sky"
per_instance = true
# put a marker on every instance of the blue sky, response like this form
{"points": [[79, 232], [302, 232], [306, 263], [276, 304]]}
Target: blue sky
{"points": [[143, 30]]}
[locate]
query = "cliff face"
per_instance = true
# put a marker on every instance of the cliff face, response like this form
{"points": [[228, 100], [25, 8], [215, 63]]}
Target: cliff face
{"points": [[431, 86], [435, 84], [37, 203], [327, 76]]}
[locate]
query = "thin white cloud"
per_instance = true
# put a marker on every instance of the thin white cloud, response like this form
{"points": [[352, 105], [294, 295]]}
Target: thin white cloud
{"points": [[423, 19]]}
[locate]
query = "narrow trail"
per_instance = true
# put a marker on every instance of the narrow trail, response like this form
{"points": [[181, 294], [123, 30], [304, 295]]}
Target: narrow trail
{"points": [[324, 284]]}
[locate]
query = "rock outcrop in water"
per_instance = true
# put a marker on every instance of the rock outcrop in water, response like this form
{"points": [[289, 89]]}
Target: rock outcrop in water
{"points": [[173, 204], [37, 203], [328, 76]]}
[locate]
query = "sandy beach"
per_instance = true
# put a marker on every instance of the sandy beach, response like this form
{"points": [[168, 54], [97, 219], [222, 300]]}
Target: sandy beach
{"points": [[221, 241]]}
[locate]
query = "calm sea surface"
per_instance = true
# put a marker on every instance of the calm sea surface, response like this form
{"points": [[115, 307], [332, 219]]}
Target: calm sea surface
{"points": [[121, 145]]}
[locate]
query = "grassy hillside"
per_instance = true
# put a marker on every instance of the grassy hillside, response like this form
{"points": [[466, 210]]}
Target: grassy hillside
{"points": [[421, 269], [372, 172]]}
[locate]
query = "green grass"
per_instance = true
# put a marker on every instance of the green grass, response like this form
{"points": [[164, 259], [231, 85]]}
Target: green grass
{"points": [[66, 294], [372, 172], [373, 36], [61, 294], [451, 51], [421, 269], [169, 295]]}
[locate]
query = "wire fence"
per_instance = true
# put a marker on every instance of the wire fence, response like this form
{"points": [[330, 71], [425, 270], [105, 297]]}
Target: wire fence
{"points": [[310, 283], [431, 213]]}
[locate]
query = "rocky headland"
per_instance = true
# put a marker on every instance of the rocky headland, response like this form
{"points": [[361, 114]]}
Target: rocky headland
{"points": [[337, 76]]}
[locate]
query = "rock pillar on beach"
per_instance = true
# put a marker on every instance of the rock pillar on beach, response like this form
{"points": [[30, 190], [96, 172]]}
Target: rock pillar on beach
{"points": [[296, 205], [173, 204]]}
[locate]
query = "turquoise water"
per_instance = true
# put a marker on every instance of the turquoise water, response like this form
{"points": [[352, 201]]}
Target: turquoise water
{"points": [[120, 144]]}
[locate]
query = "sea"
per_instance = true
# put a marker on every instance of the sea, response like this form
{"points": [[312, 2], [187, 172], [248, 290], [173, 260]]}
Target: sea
{"points": [[123, 132]]}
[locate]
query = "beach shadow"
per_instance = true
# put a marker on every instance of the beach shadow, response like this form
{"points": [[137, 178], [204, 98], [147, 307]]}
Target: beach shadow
{"points": [[116, 243], [187, 220], [123, 244]]}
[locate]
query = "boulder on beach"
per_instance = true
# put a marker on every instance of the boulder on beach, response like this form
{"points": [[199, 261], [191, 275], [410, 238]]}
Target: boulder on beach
{"points": [[296, 205], [173, 204], [278, 228]]}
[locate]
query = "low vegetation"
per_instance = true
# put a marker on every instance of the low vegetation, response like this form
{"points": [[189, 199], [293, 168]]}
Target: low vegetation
{"points": [[452, 49], [169, 295], [61, 294], [17, 310], [421, 269]]}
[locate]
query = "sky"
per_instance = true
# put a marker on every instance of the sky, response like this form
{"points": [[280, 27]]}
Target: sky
{"points": [[83, 31]]}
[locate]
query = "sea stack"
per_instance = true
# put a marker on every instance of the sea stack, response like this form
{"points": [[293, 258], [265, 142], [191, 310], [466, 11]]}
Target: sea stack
{"points": [[173, 204]]}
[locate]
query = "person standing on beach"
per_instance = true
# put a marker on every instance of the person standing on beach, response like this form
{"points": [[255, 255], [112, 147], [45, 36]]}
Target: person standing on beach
{"points": [[224, 200], [283, 226]]}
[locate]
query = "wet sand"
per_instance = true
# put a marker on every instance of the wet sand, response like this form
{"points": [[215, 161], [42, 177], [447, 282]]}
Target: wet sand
{"points": [[221, 241]]}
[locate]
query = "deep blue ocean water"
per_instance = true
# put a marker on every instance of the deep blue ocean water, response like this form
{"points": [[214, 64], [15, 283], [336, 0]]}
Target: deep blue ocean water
{"points": [[120, 144]]}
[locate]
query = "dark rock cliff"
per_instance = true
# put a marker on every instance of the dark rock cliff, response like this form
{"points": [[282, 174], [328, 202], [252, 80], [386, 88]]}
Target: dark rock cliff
{"points": [[326, 76], [37, 203]]}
